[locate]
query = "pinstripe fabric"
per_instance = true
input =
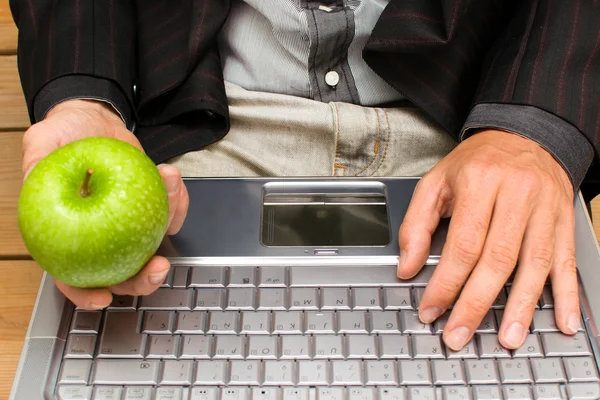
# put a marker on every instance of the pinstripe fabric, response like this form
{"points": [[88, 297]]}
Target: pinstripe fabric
{"points": [[446, 56]]}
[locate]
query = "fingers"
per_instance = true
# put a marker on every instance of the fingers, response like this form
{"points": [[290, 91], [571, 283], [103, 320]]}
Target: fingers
{"points": [[496, 264], [146, 281], [564, 276], [535, 261], [464, 243], [419, 224], [175, 187], [87, 299], [37, 144], [180, 212]]}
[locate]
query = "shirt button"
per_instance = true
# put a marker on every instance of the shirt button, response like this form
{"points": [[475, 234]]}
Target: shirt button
{"points": [[332, 78]]}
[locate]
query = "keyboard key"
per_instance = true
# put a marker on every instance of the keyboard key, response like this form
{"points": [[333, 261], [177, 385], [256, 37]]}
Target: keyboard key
{"points": [[190, 322], [180, 277], [414, 372], [547, 392], [381, 373], [138, 393], [223, 323], [487, 392], [319, 322], [392, 393], [158, 322], [328, 346], [583, 391], [204, 393], [397, 299], [384, 322], [424, 393], [411, 324], [285, 323], [255, 323], [456, 393], [347, 372], [161, 346], [366, 299], [244, 372], [123, 303], [75, 372], [210, 299], [313, 373], [384, 275], [352, 322], [543, 321], [361, 346], [304, 299], [242, 276], [119, 336], [547, 370], [295, 347], [196, 346], [262, 347], [547, 300], [469, 351], [272, 277], [418, 293], [515, 371], [208, 277], [490, 347], [530, 348], [279, 373], [581, 369], [229, 346], [335, 299], [168, 393], [211, 372], [427, 346], [168, 279], [80, 346], [500, 301], [517, 392], [392, 346], [272, 299], [481, 372], [167, 299], [240, 299], [488, 324], [177, 372], [331, 393], [361, 393], [126, 372], [108, 392], [74, 392], [296, 393], [448, 372], [86, 322], [265, 393], [233, 393], [558, 344], [440, 323]]}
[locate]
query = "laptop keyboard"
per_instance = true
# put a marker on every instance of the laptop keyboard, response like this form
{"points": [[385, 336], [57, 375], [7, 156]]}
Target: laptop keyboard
{"points": [[304, 333]]}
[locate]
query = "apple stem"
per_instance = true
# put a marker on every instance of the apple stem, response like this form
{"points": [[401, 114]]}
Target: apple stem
{"points": [[85, 186]]}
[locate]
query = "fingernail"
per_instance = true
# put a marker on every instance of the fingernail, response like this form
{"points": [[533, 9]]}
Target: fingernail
{"points": [[172, 185], [97, 306], [515, 335], [573, 322], [402, 258], [430, 314], [458, 338], [157, 278]]}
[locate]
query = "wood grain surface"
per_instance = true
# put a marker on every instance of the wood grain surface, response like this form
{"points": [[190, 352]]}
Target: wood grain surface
{"points": [[13, 111], [8, 30]]}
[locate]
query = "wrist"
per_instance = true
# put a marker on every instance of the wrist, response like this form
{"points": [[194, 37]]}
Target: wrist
{"points": [[97, 110]]}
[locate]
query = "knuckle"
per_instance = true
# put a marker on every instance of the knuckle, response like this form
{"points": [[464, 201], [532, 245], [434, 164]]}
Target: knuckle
{"points": [[447, 289], [476, 307], [502, 258], [541, 258], [568, 266], [527, 299], [466, 249]]}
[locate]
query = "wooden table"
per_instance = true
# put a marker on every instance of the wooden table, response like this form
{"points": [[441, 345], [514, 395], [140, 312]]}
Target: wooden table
{"points": [[20, 275]]}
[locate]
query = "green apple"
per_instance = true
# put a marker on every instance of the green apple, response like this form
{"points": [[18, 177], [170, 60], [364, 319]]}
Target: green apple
{"points": [[93, 212]]}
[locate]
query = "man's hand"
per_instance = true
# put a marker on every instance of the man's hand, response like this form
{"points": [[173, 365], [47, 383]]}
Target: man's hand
{"points": [[510, 202], [78, 119]]}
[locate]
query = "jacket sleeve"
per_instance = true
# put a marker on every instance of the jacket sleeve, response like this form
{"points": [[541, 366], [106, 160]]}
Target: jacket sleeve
{"points": [[76, 49], [541, 80]]}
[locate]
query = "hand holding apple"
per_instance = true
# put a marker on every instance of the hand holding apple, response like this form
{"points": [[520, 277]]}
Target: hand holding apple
{"points": [[79, 119]]}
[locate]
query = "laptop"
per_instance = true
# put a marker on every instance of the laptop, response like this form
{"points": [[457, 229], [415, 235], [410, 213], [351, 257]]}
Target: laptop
{"points": [[287, 289]]}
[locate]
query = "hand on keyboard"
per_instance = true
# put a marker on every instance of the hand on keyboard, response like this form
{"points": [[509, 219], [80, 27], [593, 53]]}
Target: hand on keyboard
{"points": [[74, 120], [509, 201]]}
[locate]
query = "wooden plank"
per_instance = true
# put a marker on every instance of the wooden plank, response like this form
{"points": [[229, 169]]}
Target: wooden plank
{"points": [[19, 286], [11, 244], [13, 110], [8, 30]]}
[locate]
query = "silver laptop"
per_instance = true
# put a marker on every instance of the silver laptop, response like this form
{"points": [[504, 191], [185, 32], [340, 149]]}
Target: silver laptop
{"points": [[287, 289]]}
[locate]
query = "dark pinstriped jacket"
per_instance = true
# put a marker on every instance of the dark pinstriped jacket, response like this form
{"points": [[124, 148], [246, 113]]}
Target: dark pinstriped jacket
{"points": [[527, 66]]}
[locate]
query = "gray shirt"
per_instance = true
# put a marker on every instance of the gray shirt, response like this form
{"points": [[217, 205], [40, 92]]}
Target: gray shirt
{"points": [[304, 48]]}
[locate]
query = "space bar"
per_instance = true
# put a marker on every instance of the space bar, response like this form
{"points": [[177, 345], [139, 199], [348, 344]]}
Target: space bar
{"points": [[332, 276]]}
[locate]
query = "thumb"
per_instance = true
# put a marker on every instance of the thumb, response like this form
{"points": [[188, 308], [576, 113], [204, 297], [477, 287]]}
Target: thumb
{"points": [[37, 144]]}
